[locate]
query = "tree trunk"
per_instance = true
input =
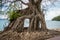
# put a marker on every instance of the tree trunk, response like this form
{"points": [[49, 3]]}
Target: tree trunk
{"points": [[36, 23], [20, 26], [31, 26], [43, 23]]}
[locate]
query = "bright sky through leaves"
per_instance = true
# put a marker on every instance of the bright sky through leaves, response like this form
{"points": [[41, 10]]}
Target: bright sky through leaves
{"points": [[52, 10]]}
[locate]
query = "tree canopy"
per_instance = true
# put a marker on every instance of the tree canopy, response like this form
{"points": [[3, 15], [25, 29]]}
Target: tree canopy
{"points": [[17, 4]]}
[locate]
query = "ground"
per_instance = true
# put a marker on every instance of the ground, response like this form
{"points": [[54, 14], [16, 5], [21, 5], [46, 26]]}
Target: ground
{"points": [[55, 38], [36, 35]]}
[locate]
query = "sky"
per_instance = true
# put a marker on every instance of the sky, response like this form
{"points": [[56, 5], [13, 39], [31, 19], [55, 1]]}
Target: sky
{"points": [[52, 13], [53, 10]]}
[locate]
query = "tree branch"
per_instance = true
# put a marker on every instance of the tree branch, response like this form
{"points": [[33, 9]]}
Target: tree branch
{"points": [[24, 3], [15, 1]]}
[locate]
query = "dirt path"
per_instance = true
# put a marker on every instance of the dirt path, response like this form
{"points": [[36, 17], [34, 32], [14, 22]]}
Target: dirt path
{"points": [[55, 38]]}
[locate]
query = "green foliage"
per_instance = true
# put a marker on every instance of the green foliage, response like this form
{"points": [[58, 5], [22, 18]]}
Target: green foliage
{"points": [[56, 18], [13, 15]]}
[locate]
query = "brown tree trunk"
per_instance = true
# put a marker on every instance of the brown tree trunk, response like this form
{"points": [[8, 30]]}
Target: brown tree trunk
{"points": [[43, 23], [36, 23], [31, 26], [20, 27]]}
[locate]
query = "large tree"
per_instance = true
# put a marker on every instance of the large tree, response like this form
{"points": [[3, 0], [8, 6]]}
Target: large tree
{"points": [[33, 12]]}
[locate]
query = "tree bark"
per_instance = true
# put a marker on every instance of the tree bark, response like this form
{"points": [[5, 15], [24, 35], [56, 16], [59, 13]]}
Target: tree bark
{"points": [[31, 26], [20, 26], [36, 23], [43, 24]]}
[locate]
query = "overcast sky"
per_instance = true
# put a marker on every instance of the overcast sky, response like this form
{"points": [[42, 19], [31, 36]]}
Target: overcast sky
{"points": [[53, 10]]}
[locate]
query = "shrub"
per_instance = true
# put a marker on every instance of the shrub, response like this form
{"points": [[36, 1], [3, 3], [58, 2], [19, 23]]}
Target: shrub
{"points": [[13, 15]]}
